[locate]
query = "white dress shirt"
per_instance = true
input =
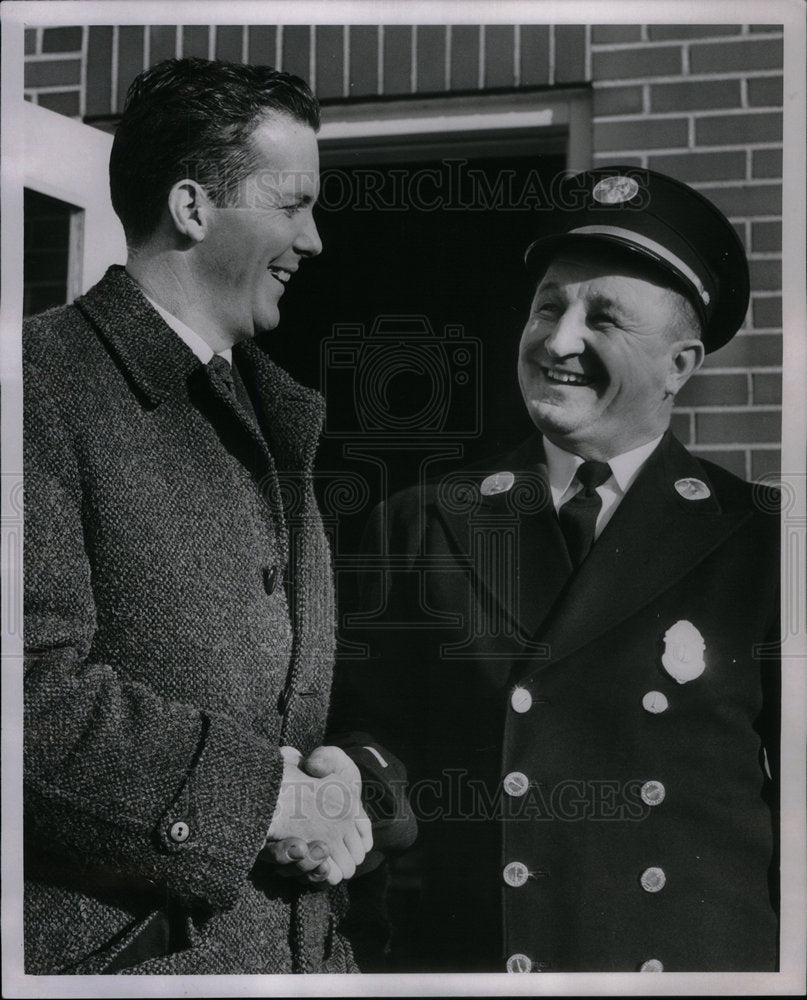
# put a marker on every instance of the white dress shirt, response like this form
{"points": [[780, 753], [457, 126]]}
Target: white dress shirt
{"points": [[203, 351], [562, 467]]}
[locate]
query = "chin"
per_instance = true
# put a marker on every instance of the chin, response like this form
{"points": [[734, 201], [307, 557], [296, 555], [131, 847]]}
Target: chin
{"points": [[265, 324], [552, 419]]}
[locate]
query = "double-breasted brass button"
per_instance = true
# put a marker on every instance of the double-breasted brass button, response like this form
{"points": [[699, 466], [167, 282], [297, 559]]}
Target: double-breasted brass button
{"points": [[655, 702], [651, 965], [179, 832], [516, 874], [521, 700], [519, 963], [515, 783], [653, 879], [653, 793]]}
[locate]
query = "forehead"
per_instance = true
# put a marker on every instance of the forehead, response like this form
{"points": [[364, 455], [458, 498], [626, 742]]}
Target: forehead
{"points": [[286, 157], [600, 270]]}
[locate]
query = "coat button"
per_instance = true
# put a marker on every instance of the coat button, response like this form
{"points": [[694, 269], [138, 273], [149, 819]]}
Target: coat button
{"points": [[521, 700], [519, 963], [516, 874], [655, 702], [270, 579], [651, 965], [516, 783], [179, 832], [653, 793], [653, 879]]}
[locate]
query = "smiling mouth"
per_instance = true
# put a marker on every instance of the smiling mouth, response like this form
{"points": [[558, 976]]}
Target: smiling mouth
{"points": [[282, 275], [566, 378]]}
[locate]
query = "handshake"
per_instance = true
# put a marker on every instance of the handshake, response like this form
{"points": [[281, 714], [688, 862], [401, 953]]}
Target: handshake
{"points": [[319, 831]]}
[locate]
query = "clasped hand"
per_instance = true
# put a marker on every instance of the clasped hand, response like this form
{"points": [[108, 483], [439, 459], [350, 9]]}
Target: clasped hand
{"points": [[319, 831]]}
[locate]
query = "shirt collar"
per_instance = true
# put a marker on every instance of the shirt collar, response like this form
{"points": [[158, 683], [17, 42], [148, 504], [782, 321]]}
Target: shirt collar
{"points": [[203, 351], [562, 466]]}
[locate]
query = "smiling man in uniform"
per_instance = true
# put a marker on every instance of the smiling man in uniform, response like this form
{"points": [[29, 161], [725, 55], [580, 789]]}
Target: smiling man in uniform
{"points": [[178, 603], [573, 646]]}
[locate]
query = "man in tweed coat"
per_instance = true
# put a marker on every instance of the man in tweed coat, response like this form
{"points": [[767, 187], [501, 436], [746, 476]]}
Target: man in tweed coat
{"points": [[179, 607]]}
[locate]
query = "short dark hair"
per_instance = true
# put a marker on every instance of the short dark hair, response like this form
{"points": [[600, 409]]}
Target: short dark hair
{"points": [[194, 118], [689, 321]]}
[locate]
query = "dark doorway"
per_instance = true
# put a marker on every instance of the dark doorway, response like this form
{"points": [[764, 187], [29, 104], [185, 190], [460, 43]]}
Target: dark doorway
{"points": [[52, 235], [409, 323], [409, 320]]}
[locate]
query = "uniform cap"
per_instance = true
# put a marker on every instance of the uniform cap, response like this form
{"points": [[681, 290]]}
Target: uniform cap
{"points": [[663, 221]]}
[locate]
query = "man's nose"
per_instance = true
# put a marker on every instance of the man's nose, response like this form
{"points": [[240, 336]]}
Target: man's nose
{"points": [[567, 337], [308, 243]]}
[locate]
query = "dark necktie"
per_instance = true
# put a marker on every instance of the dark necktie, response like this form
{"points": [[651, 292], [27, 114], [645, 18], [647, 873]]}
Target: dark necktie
{"points": [[226, 377], [221, 373], [578, 516]]}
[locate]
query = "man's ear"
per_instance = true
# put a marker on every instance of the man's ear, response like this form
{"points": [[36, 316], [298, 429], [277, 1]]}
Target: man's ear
{"points": [[686, 358], [189, 208]]}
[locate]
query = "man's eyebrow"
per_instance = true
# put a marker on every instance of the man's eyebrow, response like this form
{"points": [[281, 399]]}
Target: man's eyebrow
{"points": [[302, 197], [602, 301]]}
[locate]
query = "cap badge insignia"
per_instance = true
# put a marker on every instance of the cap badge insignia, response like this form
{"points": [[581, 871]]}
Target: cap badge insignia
{"points": [[683, 652], [615, 190], [499, 482], [693, 489]]}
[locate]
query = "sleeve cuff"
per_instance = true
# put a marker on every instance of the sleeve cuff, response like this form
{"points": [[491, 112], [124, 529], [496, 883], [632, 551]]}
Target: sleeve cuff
{"points": [[217, 824]]}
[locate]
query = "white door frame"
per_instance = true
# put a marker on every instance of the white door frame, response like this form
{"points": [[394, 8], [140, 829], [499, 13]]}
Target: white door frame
{"points": [[508, 115], [68, 160]]}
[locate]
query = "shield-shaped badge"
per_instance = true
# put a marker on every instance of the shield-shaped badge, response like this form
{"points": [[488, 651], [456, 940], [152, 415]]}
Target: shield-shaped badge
{"points": [[683, 652]]}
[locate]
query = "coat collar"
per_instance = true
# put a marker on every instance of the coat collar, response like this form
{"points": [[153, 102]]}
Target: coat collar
{"points": [[524, 562], [155, 360], [653, 539], [151, 355]]}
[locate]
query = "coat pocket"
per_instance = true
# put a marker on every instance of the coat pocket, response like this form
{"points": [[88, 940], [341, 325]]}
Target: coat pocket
{"points": [[160, 933]]}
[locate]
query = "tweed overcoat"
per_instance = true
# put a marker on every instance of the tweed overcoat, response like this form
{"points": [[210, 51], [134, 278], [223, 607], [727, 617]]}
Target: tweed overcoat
{"points": [[178, 630], [580, 808]]}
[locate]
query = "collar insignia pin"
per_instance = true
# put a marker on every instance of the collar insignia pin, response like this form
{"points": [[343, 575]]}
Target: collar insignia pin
{"points": [[499, 482], [693, 489], [683, 652]]}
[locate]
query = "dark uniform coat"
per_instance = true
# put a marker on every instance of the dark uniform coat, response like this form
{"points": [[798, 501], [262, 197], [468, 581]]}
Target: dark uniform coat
{"points": [[581, 809], [178, 629]]}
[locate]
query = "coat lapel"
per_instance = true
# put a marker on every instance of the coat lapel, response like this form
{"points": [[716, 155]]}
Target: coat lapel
{"points": [[512, 540], [150, 354], [158, 365], [289, 414], [156, 362], [654, 539]]}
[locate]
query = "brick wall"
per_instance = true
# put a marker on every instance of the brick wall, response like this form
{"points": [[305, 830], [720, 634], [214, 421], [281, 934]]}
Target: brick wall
{"points": [[702, 103]]}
